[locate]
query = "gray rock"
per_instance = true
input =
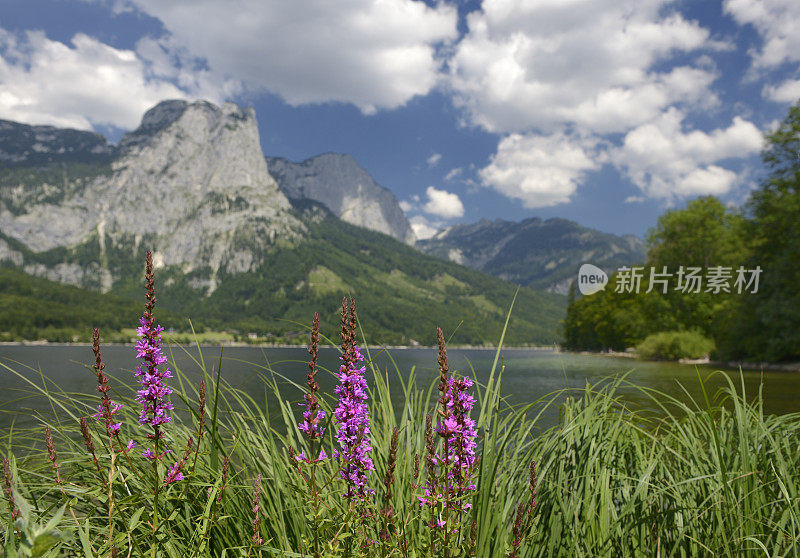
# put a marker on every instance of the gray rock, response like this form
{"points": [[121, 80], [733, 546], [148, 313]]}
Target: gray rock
{"points": [[192, 178], [338, 182]]}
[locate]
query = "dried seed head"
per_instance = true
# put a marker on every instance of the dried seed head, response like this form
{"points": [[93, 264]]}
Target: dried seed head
{"points": [[389, 479], [473, 537], [149, 288], [87, 436], [51, 452], [430, 452], [313, 349], [9, 486], [202, 397], [517, 531], [345, 327], [226, 464], [256, 538], [444, 398]]}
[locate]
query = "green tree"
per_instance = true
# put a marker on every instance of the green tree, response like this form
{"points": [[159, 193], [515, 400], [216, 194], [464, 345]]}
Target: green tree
{"points": [[769, 321], [704, 234]]}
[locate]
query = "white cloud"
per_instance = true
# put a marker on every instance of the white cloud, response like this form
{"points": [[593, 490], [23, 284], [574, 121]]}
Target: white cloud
{"points": [[634, 199], [443, 203], [541, 65], [78, 85], [556, 78], [406, 206], [666, 162], [434, 159], [777, 21], [787, 92], [423, 228], [539, 170], [372, 53], [453, 173]]}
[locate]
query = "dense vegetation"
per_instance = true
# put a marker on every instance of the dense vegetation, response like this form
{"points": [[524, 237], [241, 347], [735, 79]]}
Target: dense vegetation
{"points": [[35, 308], [402, 291], [760, 325]]}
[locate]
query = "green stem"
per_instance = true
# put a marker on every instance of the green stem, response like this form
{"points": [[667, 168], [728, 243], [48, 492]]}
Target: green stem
{"points": [[155, 494]]}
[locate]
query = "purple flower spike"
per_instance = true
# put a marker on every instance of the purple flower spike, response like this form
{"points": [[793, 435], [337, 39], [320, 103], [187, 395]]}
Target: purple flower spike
{"points": [[151, 374], [313, 416], [352, 413]]}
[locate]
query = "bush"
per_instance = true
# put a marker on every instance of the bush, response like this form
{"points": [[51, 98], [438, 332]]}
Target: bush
{"points": [[674, 345]]}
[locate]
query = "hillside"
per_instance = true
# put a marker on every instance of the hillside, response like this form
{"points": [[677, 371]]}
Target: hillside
{"points": [[537, 253]]}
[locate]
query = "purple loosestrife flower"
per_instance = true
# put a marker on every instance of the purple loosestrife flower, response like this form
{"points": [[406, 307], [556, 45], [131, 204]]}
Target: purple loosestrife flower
{"points": [[176, 472], [352, 413], [457, 429], [461, 449], [107, 408], [313, 416], [151, 372]]}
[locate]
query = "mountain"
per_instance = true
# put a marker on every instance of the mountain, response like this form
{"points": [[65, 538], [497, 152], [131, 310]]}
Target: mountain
{"points": [[536, 253], [230, 249], [338, 182], [191, 183]]}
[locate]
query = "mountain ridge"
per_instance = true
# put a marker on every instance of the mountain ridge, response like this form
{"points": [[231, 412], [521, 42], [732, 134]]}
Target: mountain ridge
{"points": [[542, 254], [337, 181]]}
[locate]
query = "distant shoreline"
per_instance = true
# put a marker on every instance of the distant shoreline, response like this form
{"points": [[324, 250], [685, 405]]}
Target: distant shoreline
{"points": [[239, 344], [730, 365]]}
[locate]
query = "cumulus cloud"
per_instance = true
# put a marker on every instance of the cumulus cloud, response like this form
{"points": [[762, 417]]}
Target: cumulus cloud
{"points": [[666, 162], [423, 228], [786, 92], [539, 170], [777, 21], [541, 65], [372, 53], [79, 85], [559, 80], [443, 203]]}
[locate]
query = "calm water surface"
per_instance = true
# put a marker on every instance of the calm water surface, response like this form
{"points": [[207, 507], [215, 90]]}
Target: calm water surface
{"points": [[529, 374]]}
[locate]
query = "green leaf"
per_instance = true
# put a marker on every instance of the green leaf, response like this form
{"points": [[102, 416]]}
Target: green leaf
{"points": [[134, 521], [85, 543], [55, 520], [44, 542]]}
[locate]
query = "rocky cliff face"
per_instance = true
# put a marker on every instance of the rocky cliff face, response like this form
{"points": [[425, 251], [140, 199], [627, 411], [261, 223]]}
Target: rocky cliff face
{"points": [[191, 181], [536, 253], [339, 183]]}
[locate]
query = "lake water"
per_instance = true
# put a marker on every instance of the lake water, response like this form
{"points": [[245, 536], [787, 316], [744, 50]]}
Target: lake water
{"points": [[529, 374]]}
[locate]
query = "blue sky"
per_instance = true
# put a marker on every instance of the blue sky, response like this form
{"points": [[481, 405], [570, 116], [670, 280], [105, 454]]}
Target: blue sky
{"points": [[607, 112]]}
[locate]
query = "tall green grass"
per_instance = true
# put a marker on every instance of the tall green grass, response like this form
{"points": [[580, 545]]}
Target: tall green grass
{"points": [[677, 478]]}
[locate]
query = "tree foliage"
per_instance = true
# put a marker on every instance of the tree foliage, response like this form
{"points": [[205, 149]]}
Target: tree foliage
{"points": [[760, 325]]}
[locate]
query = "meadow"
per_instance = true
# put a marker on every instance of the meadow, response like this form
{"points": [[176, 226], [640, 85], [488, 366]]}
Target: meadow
{"points": [[449, 468]]}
